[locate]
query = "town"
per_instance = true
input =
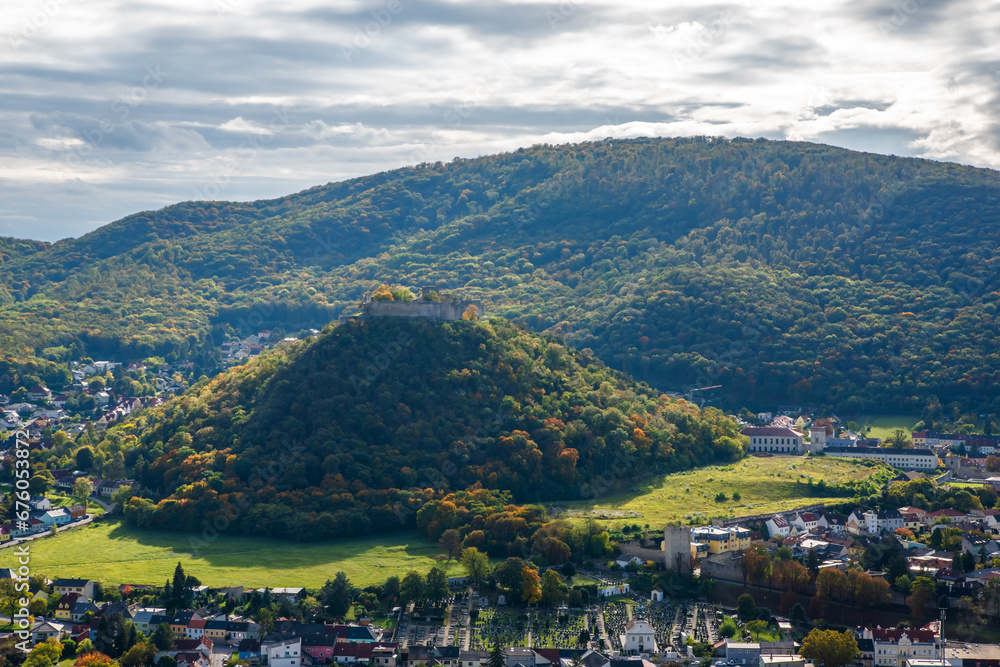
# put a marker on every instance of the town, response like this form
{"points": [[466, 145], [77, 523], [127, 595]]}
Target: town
{"points": [[911, 579], [908, 577]]}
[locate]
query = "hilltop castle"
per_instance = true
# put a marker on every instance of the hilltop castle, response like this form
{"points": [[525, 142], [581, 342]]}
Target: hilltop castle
{"points": [[429, 306]]}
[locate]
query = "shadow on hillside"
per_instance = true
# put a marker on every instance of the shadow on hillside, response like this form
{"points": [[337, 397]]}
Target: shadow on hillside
{"points": [[219, 550]]}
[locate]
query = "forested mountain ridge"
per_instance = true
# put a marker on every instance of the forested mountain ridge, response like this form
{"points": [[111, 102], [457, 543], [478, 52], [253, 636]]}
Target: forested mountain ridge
{"points": [[787, 272], [339, 434]]}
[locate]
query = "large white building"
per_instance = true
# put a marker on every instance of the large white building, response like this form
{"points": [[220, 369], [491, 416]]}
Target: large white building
{"points": [[894, 647], [775, 440], [905, 459], [639, 637]]}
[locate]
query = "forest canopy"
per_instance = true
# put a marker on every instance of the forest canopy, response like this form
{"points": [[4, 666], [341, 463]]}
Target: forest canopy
{"points": [[359, 430], [785, 272]]}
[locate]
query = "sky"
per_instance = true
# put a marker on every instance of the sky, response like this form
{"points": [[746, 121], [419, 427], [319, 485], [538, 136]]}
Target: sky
{"points": [[109, 108]]}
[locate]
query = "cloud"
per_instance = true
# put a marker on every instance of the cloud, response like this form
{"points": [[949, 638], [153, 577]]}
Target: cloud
{"points": [[259, 100]]}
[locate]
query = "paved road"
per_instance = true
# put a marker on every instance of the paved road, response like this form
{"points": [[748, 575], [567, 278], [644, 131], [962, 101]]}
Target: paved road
{"points": [[219, 656]]}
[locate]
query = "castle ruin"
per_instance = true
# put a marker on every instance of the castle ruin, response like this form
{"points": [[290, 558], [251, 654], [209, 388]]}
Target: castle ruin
{"points": [[428, 306]]}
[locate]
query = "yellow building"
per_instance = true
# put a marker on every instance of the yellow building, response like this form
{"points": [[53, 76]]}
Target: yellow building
{"points": [[64, 608], [722, 540]]}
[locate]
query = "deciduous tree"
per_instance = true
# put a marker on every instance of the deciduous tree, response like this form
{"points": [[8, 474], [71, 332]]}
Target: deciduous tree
{"points": [[829, 647], [531, 589], [476, 564]]}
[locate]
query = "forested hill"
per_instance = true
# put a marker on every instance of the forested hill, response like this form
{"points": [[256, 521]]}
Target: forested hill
{"points": [[786, 272], [340, 435]]}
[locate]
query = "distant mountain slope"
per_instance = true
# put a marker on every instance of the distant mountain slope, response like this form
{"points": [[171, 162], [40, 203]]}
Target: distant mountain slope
{"points": [[786, 272], [334, 436]]}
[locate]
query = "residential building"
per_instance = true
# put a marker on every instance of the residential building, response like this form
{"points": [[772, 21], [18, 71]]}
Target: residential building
{"points": [[39, 393], [474, 658], [355, 633], [518, 655], [217, 630], [949, 515], [64, 607], [774, 440], [778, 525], [179, 623], [387, 656], [318, 646], [743, 653], [904, 459], [84, 587], [883, 521], [287, 653], [894, 647], [43, 630], [721, 540], [196, 629], [79, 611], [806, 521]]}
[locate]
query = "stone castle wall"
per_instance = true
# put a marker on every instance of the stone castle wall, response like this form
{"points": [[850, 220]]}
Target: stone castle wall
{"points": [[428, 310]]}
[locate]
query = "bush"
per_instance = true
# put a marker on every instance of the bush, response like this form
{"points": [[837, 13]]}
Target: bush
{"points": [[721, 497]]}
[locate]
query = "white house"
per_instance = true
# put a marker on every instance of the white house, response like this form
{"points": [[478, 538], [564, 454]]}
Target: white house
{"points": [[806, 521], [778, 525], [285, 654], [609, 591], [883, 522], [43, 630]]}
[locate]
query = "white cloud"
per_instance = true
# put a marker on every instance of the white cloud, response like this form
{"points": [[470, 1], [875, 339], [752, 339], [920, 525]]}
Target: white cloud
{"points": [[270, 99]]}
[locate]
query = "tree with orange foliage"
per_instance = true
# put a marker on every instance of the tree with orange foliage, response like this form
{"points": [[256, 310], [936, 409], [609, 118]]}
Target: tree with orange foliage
{"points": [[869, 591], [831, 583], [94, 659], [755, 563], [531, 585], [790, 575]]}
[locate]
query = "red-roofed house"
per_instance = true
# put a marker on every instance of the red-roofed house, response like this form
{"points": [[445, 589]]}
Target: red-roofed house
{"points": [[191, 660], [196, 630], [932, 517], [39, 393], [805, 521], [201, 645], [778, 525]]}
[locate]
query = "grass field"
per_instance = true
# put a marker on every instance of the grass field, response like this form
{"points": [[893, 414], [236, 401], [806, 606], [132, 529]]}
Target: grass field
{"points": [[883, 425], [764, 484], [115, 554]]}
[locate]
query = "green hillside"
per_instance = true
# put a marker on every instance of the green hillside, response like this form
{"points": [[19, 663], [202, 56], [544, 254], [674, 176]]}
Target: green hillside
{"points": [[360, 429], [786, 272]]}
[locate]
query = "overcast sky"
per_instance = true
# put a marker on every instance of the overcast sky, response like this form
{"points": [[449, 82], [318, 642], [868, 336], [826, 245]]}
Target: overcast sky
{"points": [[108, 107]]}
